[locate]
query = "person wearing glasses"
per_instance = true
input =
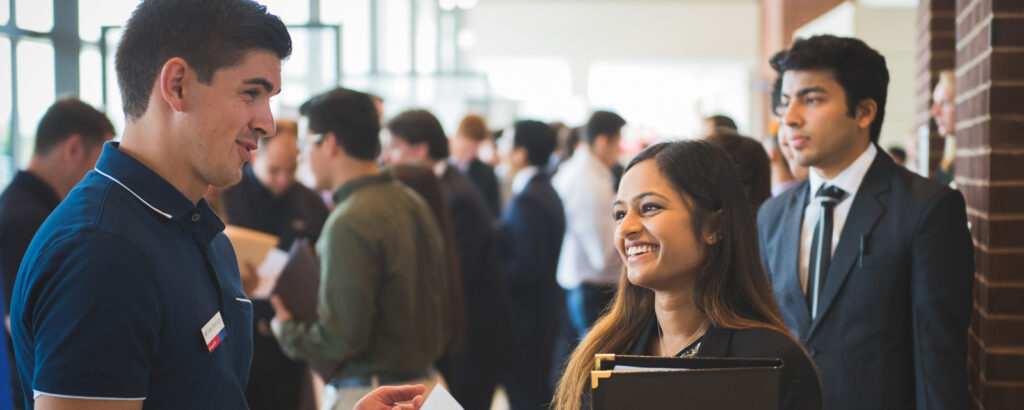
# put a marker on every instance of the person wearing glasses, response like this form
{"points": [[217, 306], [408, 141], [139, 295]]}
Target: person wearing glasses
{"points": [[270, 200], [382, 304]]}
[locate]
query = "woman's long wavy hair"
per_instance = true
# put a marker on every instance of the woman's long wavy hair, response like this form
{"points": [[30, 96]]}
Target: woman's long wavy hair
{"points": [[731, 290]]}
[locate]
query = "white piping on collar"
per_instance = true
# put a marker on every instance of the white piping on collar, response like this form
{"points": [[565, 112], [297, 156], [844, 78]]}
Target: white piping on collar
{"points": [[165, 214]]}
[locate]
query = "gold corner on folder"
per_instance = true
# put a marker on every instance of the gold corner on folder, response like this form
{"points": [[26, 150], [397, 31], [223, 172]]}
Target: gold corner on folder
{"points": [[596, 376], [600, 357]]}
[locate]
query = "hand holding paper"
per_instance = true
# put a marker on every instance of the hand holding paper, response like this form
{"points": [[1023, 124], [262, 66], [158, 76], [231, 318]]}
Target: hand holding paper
{"points": [[441, 399], [389, 397]]}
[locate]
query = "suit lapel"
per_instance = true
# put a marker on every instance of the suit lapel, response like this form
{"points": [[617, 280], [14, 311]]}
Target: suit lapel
{"points": [[788, 275], [865, 211]]}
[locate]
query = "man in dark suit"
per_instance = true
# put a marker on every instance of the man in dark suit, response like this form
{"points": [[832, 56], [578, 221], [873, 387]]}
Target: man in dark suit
{"points": [[872, 266], [471, 134], [472, 372], [532, 228]]}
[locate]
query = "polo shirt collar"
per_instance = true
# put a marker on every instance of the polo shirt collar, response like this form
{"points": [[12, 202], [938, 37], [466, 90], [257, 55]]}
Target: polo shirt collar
{"points": [[152, 190], [350, 187]]}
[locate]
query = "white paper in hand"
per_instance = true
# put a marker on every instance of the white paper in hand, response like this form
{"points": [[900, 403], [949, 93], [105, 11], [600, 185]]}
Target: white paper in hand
{"points": [[268, 271], [440, 399]]}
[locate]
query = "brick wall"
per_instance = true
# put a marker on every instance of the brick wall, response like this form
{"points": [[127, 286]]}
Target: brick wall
{"points": [[936, 51], [990, 149]]}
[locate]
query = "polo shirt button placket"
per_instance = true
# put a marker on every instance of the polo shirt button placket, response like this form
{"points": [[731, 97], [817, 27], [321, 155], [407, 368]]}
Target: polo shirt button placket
{"points": [[195, 217]]}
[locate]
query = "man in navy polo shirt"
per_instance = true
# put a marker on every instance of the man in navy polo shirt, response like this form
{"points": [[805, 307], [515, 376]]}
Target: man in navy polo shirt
{"points": [[129, 296]]}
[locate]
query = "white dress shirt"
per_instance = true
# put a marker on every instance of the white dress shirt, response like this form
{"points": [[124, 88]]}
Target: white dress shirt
{"points": [[523, 178], [588, 252], [849, 180]]}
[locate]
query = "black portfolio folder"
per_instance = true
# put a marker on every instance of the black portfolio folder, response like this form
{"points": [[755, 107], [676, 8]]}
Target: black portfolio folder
{"points": [[299, 287], [299, 282], [623, 382]]}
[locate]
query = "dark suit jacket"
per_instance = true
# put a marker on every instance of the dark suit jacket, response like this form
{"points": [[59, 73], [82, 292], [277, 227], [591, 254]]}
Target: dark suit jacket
{"points": [[799, 388], [484, 179], [892, 328], [298, 212], [532, 229], [474, 368]]}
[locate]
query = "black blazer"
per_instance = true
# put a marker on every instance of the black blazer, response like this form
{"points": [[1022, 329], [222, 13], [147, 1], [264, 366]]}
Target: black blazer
{"points": [[484, 179], [533, 226], [896, 302], [472, 370], [799, 381]]}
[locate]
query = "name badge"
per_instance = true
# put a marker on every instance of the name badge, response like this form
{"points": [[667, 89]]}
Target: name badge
{"points": [[213, 332]]}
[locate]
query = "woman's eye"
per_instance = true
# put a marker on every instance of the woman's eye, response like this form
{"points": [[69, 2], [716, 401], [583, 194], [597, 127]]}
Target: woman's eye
{"points": [[649, 207], [618, 215]]}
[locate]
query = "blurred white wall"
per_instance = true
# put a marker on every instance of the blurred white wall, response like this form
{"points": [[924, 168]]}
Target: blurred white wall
{"points": [[558, 57], [890, 29]]}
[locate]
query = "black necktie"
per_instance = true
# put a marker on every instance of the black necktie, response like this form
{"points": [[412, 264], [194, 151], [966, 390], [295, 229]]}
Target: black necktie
{"points": [[821, 245]]}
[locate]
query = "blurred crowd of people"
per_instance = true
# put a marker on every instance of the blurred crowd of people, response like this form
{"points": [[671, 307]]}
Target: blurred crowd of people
{"points": [[439, 267]]}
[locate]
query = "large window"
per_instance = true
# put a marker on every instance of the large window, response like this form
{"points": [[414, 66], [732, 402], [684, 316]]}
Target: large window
{"points": [[27, 77], [403, 50]]}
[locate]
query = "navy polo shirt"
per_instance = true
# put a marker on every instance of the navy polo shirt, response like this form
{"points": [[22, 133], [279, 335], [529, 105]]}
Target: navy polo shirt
{"points": [[114, 292]]}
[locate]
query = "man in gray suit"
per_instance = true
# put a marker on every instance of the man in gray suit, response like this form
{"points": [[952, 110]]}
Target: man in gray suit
{"points": [[872, 265]]}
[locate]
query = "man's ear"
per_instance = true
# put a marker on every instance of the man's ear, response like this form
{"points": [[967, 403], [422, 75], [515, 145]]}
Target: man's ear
{"points": [[171, 83], [422, 150], [867, 109], [600, 142], [330, 143], [72, 148], [520, 156]]}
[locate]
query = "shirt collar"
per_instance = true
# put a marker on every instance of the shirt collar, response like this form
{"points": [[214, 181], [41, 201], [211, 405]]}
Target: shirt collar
{"points": [[151, 189], [37, 186], [461, 165], [851, 177], [347, 189], [440, 167], [522, 178]]}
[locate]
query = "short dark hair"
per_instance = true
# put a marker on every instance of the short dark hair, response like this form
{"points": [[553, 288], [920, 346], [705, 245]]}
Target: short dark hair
{"points": [[602, 123], [898, 153], [420, 126], [208, 34], [722, 121], [538, 138], [69, 116], [351, 116], [751, 161], [776, 96], [858, 68]]}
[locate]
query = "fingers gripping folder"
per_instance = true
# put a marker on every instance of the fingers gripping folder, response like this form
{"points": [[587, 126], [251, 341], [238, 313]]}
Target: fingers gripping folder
{"points": [[647, 382]]}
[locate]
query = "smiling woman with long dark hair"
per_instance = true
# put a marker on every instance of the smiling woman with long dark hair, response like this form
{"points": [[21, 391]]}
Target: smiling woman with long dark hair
{"points": [[692, 284]]}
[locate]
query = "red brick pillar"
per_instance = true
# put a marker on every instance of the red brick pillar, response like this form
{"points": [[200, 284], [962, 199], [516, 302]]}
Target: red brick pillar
{"points": [[990, 173], [936, 51]]}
